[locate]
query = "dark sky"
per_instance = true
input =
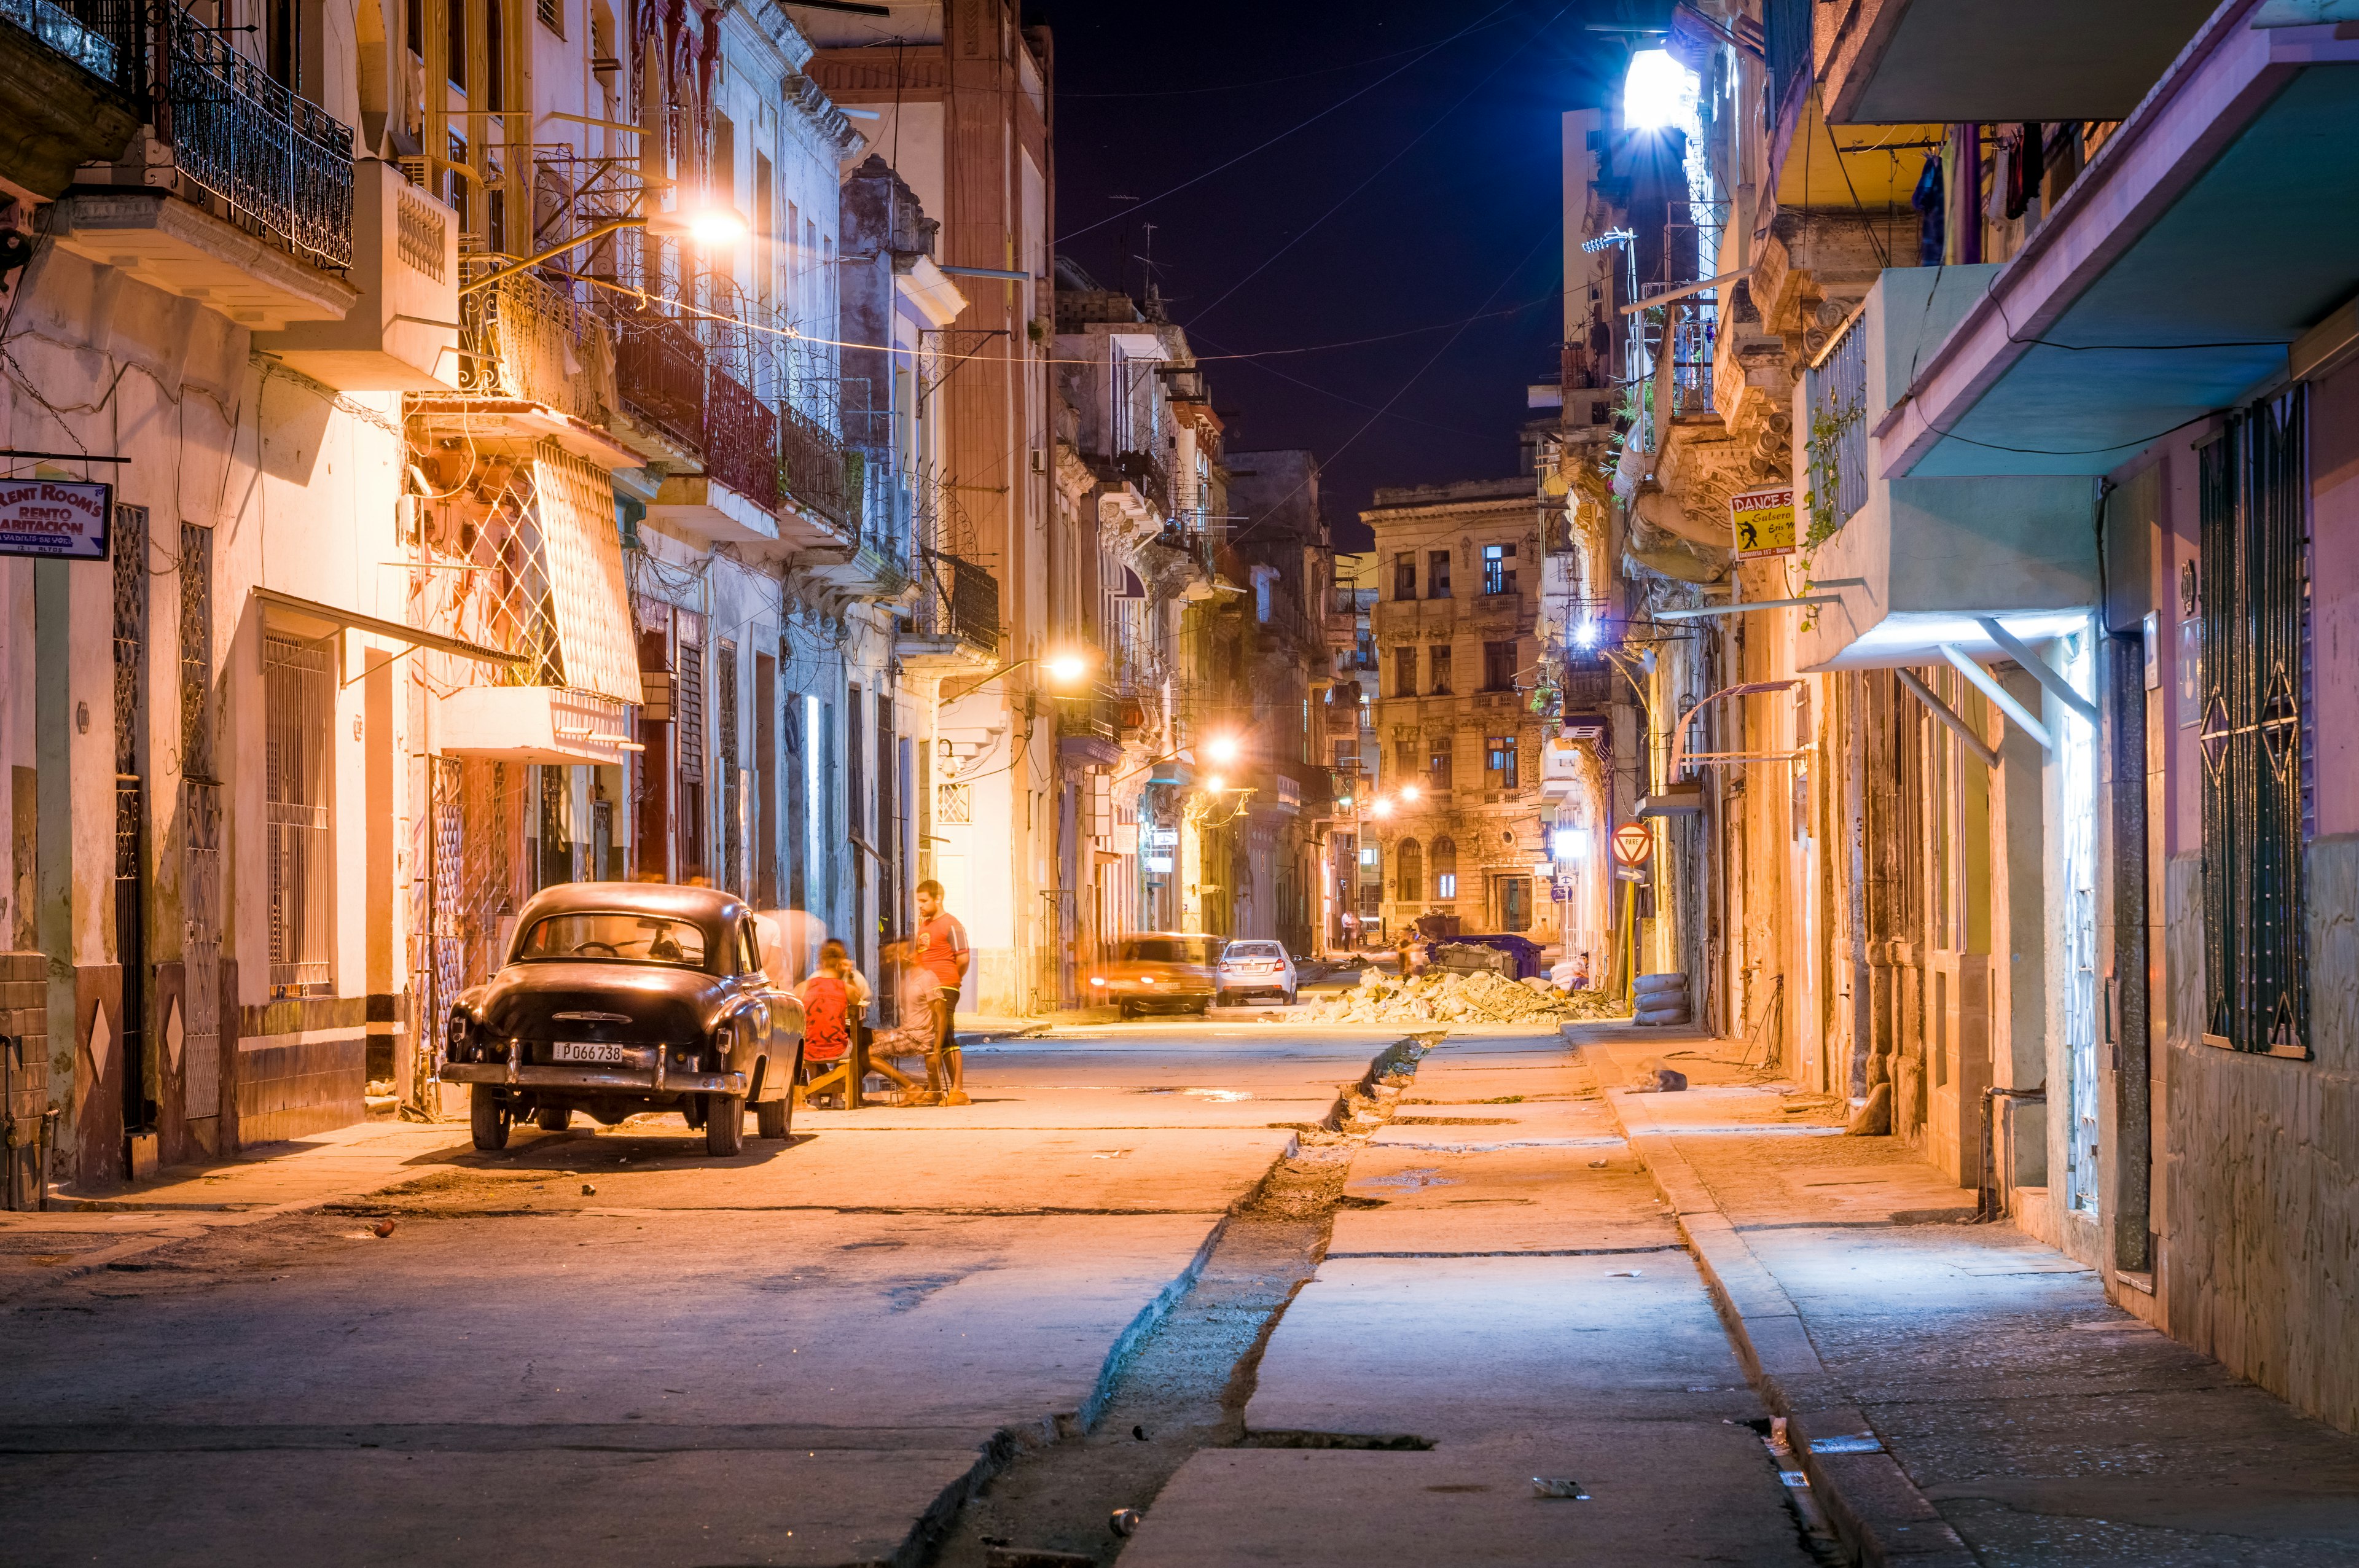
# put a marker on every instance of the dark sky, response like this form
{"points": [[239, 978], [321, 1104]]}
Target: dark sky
{"points": [[1149, 97]]}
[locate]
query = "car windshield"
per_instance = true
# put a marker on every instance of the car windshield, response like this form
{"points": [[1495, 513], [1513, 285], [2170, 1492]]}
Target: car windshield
{"points": [[1253, 950], [1164, 950], [605, 937]]}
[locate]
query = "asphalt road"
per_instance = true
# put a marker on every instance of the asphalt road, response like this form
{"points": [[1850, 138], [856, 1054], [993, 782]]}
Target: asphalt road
{"points": [[602, 1347]]}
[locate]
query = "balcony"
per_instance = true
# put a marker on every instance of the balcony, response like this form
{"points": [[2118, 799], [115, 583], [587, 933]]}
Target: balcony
{"points": [[532, 366], [406, 264], [659, 372], [1901, 61], [954, 622], [267, 175], [771, 477], [59, 106], [1905, 565], [1089, 730]]}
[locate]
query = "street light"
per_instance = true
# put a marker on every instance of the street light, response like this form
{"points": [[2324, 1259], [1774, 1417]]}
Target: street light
{"points": [[1411, 793], [1214, 784], [706, 227], [1655, 92], [1221, 748], [1065, 669], [1380, 807]]}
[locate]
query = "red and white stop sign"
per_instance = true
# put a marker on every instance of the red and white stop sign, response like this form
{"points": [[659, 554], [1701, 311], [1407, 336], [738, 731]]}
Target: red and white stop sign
{"points": [[1633, 844]]}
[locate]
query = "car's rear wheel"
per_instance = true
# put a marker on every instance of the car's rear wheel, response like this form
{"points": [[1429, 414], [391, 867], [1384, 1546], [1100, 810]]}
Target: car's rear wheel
{"points": [[1290, 997], [1222, 999], [725, 1125], [553, 1117], [775, 1117], [1127, 1011], [487, 1115]]}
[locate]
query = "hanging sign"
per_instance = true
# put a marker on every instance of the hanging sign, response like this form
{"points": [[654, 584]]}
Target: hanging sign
{"points": [[54, 517], [1634, 844], [1763, 521]]}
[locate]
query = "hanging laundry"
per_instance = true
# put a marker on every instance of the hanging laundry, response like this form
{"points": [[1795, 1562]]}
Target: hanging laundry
{"points": [[1931, 218], [2030, 165]]}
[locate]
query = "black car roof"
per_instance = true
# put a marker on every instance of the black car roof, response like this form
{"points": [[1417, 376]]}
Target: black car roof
{"points": [[709, 907]]}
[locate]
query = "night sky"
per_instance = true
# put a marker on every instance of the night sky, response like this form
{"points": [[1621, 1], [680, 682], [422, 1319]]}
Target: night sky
{"points": [[1149, 97]]}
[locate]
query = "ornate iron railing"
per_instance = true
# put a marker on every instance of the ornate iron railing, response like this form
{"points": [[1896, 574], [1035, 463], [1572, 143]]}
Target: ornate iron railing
{"points": [[280, 162], [1837, 391], [957, 599], [741, 441], [523, 338], [1691, 332], [811, 465], [660, 371], [63, 33]]}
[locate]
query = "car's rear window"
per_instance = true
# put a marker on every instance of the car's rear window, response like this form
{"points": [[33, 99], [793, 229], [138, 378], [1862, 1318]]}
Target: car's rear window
{"points": [[603, 936], [1155, 950], [1253, 950]]}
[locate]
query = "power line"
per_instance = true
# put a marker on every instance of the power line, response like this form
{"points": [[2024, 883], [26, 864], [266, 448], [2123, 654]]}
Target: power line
{"points": [[1297, 126]]}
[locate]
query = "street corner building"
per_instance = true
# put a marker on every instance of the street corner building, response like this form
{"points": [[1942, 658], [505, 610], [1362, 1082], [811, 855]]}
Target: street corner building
{"points": [[514, 444], [1960, 532]]}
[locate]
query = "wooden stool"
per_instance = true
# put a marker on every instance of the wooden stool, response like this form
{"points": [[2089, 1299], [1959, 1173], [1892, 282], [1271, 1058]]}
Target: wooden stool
{"points": [[841, 1076]]}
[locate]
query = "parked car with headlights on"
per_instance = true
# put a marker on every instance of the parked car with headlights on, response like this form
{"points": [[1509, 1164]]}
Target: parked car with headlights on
{"points": [[1252, 968], [618, 998], [1159, 972]]}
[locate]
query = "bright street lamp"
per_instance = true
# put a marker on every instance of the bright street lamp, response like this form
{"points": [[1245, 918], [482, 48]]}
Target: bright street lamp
{"points": [[1381, 807], [1409, 793], [706, 227], [1654, 94], [1213, 784], [1221, 748]]}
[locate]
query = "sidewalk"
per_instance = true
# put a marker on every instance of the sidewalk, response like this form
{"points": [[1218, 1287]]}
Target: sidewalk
{"points": [[77, 1234], [1959, 1392], [1501, 1300]]}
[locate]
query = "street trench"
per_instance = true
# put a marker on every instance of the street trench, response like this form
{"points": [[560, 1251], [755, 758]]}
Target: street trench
{"points": [[1185, 1385]]}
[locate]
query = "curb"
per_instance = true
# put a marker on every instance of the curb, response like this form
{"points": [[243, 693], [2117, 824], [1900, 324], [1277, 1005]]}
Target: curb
{"points": [[1875, 1508]]}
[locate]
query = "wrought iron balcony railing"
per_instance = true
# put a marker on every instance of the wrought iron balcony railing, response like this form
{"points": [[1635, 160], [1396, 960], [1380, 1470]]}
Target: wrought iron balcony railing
{"points": [[741, 441], [282, 165], [523, 338], [956, 599], [810, 467], [63, 33], [659, 372]]}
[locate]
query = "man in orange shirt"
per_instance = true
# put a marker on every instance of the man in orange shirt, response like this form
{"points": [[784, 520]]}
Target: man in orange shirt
{"points": [[943, 952]]}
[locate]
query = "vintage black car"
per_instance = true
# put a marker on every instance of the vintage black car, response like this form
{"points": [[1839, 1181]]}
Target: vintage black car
{"points": [[625, 996]]}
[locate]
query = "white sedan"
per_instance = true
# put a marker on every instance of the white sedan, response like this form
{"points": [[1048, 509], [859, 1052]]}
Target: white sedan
{"points": [[1255, 969]]}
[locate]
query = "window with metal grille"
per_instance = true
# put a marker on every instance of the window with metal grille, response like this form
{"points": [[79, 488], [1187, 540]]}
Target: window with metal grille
{"points": [[691, 709], [1498, 568], [298, 695], [553, 15], [2255, 584], [732, 815]]}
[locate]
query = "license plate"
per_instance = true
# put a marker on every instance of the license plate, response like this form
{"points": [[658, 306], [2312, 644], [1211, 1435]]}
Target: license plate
{"points": [[585, 1051]]}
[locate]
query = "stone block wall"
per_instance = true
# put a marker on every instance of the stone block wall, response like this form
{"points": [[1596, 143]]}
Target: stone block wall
{"points": [[2260, 1254], [24, 1016]]}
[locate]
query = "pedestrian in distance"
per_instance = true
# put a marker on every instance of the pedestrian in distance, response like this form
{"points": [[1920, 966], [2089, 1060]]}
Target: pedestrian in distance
{"points": [[943, 953]]}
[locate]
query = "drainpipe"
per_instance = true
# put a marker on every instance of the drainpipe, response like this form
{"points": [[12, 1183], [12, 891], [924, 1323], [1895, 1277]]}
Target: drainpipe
{"points": [[1986, 1205]]}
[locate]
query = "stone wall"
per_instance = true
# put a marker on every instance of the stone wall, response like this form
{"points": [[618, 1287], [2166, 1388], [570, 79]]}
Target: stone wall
{"points": [[2261, 1217], [24, 1016]]}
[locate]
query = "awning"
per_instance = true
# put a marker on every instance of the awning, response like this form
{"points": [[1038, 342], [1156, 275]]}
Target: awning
{"points": [[329, 618], [1681, 757]]}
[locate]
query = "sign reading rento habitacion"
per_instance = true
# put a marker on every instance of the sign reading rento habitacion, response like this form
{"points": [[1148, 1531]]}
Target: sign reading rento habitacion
{"points": [[54, 518]]}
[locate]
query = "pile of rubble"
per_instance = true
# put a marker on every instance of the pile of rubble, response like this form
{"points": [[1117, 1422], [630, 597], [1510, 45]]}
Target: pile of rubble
{"points": [[1445, 997]]}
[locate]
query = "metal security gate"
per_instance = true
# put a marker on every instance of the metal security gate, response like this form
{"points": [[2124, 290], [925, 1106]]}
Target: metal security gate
{"points": [[131, 810], [200, 819], [2255, 588]]}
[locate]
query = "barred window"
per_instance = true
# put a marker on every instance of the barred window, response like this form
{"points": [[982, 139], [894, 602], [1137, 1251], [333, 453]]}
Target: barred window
{"points": [[298, 702], [2254, 581]]}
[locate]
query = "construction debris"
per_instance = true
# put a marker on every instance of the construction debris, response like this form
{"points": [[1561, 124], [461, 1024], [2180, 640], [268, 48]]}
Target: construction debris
{"points": [[1480, 997]]}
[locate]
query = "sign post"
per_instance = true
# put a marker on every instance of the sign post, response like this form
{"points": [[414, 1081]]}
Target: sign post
{"points": [[1634, 845]]}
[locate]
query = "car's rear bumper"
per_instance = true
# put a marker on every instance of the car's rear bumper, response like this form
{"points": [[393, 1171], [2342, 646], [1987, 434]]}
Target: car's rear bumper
{"points": [[617, 1080]]}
